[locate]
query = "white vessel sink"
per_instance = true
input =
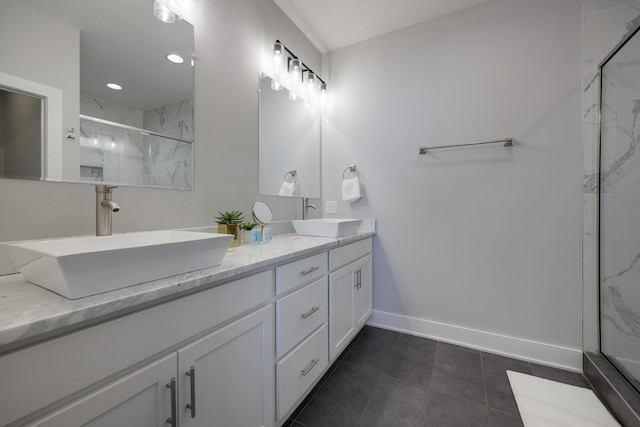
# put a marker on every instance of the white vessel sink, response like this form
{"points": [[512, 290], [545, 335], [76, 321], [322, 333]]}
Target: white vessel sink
{"points": [[82, 266], [327, 227]]}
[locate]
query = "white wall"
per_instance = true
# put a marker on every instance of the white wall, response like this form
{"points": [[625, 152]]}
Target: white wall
{"points": [[46, 52], [475, 245], [229, 37]]}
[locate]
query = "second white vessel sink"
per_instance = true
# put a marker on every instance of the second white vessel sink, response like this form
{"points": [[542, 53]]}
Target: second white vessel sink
{"points": [[83, 266], [327, 227]]}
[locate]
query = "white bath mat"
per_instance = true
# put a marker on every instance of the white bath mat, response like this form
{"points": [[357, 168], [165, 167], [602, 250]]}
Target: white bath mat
{"points": [[545, 403]]}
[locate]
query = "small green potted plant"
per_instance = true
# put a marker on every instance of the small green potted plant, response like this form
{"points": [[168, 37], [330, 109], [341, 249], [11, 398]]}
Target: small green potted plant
{"points": [[229, 223], [245, 231]]}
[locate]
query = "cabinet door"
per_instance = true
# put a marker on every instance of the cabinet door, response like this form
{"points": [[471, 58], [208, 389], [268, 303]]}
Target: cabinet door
{"points": [[342, 289], [233, 371], [364, 291], [141, 398]]}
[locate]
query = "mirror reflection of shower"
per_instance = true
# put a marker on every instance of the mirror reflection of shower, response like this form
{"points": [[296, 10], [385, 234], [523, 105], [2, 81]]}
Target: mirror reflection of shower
{"points": [[619, 190]]}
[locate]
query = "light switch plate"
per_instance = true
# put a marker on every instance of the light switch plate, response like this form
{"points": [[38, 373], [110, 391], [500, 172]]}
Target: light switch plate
{"points": [[331, 207]]}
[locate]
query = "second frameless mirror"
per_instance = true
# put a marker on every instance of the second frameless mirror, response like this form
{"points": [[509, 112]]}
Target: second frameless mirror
{"points": [[289, 144]]}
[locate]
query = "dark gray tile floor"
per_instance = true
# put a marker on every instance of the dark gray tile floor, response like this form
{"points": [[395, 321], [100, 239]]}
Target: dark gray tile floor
{"points": [[386, 378]]}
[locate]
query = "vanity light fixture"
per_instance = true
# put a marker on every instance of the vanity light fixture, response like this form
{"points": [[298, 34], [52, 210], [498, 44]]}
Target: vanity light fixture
{"points": [[176, 59], [114, 86], [163, 13], [290, 73]]}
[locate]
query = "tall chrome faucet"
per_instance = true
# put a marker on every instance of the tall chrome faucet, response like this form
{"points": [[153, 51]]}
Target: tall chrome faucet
{"points": [[104, 208], [305, 206]]}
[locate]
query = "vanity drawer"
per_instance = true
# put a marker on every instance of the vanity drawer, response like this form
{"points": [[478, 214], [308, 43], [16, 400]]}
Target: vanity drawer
{"points": [[345, 254], [300, 313], [299, 272], [297, 372]]}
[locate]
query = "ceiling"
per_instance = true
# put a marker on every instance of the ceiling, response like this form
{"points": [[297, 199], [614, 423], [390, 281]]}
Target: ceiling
{"points": [[332, 24]]}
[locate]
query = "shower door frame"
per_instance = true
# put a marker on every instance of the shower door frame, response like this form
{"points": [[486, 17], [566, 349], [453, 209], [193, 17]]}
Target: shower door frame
{"points": [[623, 393]]}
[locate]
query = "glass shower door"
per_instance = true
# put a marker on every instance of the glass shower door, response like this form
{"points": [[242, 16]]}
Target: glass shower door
{"points": [[620, 209]]}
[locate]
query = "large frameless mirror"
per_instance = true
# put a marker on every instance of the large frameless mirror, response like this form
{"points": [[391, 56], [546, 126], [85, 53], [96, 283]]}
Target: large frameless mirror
{"points": [[289, 144], [67, 56]]}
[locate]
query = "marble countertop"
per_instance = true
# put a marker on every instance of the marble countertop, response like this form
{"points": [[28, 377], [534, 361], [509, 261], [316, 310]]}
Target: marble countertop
{"points": [[29, 313]]}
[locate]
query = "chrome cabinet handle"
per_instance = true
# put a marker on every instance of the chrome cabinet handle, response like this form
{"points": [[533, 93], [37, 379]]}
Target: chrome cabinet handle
{"points": [[359, 278], [310, 367], [311, 270], [191, 373], [172, 386], [310, 312]]}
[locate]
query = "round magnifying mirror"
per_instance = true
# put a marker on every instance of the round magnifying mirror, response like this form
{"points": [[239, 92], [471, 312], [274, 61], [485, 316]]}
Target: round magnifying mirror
{"points": [[262, 213]]}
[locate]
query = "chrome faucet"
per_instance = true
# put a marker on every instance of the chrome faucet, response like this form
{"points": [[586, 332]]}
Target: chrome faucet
{"points": [[104, 208], [306, 205]]}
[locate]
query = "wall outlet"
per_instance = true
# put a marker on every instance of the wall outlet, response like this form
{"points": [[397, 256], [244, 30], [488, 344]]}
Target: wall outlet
{"points": [[331, 207]]}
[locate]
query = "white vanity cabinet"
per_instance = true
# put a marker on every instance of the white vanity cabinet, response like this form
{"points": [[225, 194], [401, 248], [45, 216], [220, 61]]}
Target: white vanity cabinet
{"points": [[350, 293], [301, 329], [239, 353], [226, 333]]}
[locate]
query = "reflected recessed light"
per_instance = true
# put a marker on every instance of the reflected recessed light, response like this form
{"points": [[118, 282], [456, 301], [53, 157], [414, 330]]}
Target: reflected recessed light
{"points": [[114, 86], [176, 59]]}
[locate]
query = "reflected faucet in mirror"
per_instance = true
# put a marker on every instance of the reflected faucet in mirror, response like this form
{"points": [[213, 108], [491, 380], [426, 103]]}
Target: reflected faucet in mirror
{"points": [[105, 207]]}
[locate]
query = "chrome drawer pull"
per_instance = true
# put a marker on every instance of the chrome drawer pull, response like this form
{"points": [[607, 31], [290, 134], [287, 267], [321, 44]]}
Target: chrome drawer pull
{"points": [[313, 363], [310, 312], [311, 270], [174, 419], [191, 373]]}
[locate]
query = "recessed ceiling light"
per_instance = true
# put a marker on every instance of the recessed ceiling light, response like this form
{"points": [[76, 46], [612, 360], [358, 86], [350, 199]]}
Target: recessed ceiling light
{"points": [[176, 59], [114, 86]]}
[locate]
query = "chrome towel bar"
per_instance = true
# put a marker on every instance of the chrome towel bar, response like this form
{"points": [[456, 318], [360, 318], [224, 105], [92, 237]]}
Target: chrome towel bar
{"points": [[508, 142]]}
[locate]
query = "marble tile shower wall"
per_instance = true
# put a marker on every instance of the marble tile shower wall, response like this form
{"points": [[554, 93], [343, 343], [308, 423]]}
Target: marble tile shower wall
{"points": [[606, 22], [111, 154], [170, 163]]}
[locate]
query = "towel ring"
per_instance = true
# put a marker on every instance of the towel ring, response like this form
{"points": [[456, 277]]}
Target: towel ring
{"points": [[351, 168], [294, 175]]}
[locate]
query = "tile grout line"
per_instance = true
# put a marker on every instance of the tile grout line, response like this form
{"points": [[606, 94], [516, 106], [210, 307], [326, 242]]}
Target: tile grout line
{"points": [[484, 385]]}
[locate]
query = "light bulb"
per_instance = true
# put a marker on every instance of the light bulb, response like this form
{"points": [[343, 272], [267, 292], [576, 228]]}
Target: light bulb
{"points": [[277, 48], [311, 79], [163, 13], [295, 69], [275, 85]]}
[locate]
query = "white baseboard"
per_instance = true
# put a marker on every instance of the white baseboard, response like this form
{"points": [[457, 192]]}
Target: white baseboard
{"points": [[518, 348]]}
